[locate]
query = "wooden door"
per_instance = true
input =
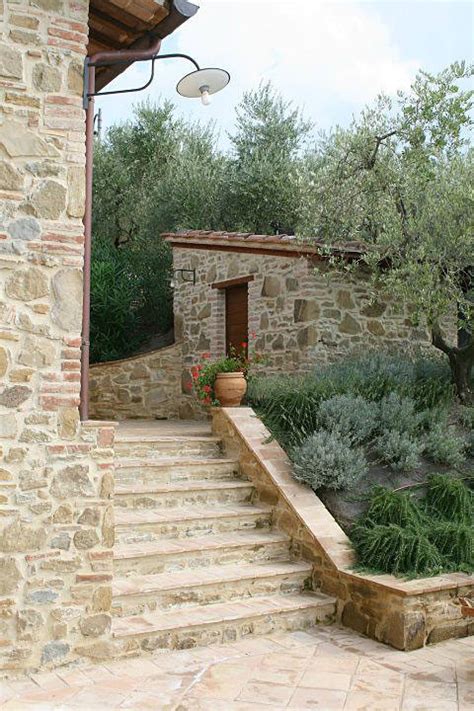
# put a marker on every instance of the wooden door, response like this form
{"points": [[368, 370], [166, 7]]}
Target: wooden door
{"points": [[236, 316]]}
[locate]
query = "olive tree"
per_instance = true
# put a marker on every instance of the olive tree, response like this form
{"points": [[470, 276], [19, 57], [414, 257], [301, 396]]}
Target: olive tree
{"points": [[269, 138], [399, 180]]}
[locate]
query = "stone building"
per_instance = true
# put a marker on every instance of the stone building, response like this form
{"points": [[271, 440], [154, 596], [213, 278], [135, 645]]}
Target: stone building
{"points": [[272, 291], [56, 473], [281, 295]]}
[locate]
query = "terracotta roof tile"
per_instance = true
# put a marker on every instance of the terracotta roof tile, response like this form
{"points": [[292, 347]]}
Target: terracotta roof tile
{"points": [[284, 241]]}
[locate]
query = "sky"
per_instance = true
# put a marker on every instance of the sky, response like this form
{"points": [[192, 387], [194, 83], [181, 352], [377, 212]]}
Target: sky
{"points": [[330, 57]]}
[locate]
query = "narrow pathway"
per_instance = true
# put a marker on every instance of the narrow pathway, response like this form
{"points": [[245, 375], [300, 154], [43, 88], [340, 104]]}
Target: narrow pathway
{"points": [[325, 668]]}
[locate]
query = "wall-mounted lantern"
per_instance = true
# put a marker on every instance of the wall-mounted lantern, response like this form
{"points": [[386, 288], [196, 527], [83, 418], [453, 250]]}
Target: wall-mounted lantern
{"points": [[188, 276]]}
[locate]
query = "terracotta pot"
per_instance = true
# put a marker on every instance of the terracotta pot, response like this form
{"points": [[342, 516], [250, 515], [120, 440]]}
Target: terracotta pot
{"points": [[229, 388]]}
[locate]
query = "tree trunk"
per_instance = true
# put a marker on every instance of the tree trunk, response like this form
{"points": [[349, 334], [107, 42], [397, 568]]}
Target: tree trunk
{"points": [[461, 361]]}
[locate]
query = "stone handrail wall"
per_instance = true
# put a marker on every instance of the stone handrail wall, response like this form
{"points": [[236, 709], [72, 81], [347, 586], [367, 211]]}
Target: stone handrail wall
{"points": [[148, 385], [404, 614]]}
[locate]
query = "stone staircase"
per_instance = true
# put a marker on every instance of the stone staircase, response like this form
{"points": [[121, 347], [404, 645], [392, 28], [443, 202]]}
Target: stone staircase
{"points": [[196, 558]]}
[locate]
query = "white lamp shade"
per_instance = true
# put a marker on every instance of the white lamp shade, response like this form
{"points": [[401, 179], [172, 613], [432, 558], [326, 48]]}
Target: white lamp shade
{"points": [[213, 79]]}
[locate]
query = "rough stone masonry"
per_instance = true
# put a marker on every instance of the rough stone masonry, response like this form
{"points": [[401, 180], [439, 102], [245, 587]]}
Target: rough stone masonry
{"points": [[56, 475]]}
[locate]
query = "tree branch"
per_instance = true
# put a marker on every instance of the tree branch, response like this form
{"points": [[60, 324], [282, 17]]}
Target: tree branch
{"points": [[439, 342], [378, 142]]}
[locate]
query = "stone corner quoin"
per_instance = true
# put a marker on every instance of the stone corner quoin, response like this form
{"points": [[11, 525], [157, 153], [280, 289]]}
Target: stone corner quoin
{"points": [[56, 475]]}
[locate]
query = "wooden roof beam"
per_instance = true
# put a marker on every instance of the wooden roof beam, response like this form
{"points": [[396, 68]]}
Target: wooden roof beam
{"points": [[180, 11]]}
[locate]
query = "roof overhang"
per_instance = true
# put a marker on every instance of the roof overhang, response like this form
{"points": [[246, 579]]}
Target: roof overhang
{"points": [[272, 245], [129, 24]]}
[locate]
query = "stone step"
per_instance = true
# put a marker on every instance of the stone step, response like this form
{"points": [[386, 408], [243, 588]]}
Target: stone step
{"points": [[147, 445], [171, 469], [138, 594], [222, 622], [182, 493], [192, 521], [194, 553]]}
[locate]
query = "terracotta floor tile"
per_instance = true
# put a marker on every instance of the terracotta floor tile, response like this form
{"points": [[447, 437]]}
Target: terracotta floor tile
{"points": [[97, 673], [290, 677], [466, 693], [51, 697], [437, 691], [266, 693], [220, 683], [96, 698], [343, 664], [49, 681], [390, 684], [429, 705], [370, 701], [323, 699], [316, 679], [327, 668], [147, 701], [193, 704]]}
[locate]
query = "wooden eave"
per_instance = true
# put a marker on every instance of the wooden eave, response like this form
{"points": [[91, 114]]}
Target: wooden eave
{"points": [[129, 24]]}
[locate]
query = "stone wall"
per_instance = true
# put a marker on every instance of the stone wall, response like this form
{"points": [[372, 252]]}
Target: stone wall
{"points": [[147, 385], [301, 317], [403, 613], [56, 475]]}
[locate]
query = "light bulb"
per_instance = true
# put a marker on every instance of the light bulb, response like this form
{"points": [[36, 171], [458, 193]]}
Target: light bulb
{"points": [[205, 96]]}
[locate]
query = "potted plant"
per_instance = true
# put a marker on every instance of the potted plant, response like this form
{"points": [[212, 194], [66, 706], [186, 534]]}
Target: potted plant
{"points": [[220, 382], [223, 381]]}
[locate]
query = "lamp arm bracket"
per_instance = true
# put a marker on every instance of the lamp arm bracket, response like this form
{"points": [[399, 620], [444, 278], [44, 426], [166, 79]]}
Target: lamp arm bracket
{"points": [[153, 59]]}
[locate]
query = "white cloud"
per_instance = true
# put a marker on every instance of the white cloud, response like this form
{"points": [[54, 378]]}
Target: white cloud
{"points": [[330, 56]]}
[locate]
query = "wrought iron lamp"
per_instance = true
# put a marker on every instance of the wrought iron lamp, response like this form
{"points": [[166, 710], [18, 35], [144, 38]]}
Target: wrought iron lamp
{"points": [[188, 276]]}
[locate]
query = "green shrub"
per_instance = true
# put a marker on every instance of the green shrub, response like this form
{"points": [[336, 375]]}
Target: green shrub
{"points": [[443, 446], [399, 449], [466, 416], [449, 498], [131, 298], [470, 445], [398, 414], [455, 541], [288, 405], [387, 507], [377, 373], [394, 549], [325, 459], [351, 416]]}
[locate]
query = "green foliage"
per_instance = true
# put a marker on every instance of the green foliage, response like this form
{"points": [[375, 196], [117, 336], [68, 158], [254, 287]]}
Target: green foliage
{"points": [[402, 535], [449, 498], [376, 374], [392, 507], [289, 405], [398, 178], [443, 446], [263, 180], [351, 416], [466, 417], [398, 414], [399, 449], [128, 300], [325, 459], [393, 549], [470, 445], [455, 541]]}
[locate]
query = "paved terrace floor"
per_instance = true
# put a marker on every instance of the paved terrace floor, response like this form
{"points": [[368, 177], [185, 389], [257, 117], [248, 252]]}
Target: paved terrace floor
{"points": [[329, 668]]}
